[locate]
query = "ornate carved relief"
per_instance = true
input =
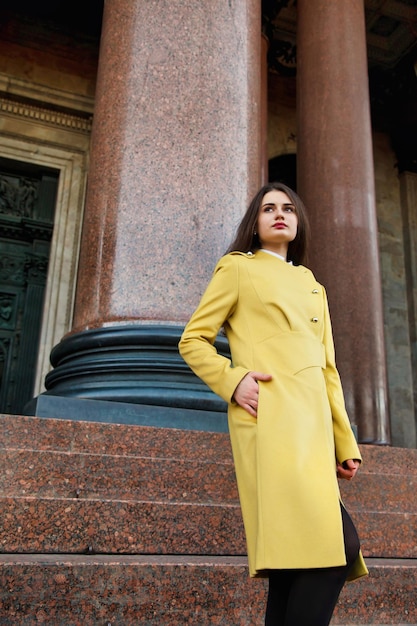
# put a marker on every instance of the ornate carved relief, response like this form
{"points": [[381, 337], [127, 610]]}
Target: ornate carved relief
{"points": [[36, 268], [53, 118], [8, 309], [19, 270], [18, 195]]}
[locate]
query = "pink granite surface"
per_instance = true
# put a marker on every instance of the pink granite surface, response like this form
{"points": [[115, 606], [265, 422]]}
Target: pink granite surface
{"points": [[152, 570], [132, 591], [336, 180], [83, 475], [45, 525], [387, 535], [70, 486], [380, 492], [70, 525], [19, 432], [386, 596], [175, 154], [48, 474], [80, 590]]}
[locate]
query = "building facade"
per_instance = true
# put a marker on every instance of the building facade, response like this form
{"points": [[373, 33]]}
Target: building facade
{"points": [[132, 136]]}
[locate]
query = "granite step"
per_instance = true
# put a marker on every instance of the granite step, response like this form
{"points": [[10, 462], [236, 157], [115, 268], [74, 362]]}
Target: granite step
{"points": [[115, 524], [60, 525], [118, 488], [371, 491], [385, 482], [45, 473], [52, 525], [150, 590], [50, 474], [60, 435]]}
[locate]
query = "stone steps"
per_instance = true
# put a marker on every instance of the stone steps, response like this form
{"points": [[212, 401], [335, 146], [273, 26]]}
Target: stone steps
{"points": [[119, 487], [46, 525], [116, 524], [91, 476], [76, 474], [68, 525], [170, 590], [62, 435]]}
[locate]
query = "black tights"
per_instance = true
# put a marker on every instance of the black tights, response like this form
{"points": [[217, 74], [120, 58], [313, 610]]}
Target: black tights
{"points": [[308, 597]]}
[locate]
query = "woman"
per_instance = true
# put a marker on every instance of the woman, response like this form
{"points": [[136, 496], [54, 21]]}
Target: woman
{"points": [[289, 429]]}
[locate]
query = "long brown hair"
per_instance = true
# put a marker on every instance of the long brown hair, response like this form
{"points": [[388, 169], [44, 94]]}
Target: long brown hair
{"points": [[246, 240]]}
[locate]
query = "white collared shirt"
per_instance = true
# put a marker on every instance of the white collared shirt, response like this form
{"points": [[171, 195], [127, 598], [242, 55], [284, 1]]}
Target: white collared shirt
{"points": [[279, 256]]}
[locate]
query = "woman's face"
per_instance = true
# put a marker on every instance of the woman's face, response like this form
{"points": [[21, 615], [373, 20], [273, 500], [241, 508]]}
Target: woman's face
{"points": [[277, 222]]}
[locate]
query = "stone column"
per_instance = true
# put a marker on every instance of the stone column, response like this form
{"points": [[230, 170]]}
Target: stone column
{"points": [[175, 156], [405, 429], [264, 109], [336, 180]]}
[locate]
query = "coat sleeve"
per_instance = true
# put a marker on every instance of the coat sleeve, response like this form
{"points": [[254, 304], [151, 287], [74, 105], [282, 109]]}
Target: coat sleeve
{"points": [[345, 443], [197, 342]]}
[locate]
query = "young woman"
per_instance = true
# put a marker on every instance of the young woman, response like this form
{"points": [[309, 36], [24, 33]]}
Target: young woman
{"points": [[290, 433]]}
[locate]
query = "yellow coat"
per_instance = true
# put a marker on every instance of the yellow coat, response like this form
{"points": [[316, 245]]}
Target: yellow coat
{"points": [[276, 319]]}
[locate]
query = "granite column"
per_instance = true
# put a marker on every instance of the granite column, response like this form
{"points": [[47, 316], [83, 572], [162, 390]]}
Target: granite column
{"points": [[175, 156], [336, 180]]}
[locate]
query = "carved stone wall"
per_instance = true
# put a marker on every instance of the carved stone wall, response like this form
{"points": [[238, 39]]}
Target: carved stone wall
{"points": [[33, 130], [394, 263]]}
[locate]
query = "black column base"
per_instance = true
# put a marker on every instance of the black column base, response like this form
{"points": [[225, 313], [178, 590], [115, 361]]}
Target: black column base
{"points": [[137, 366]]}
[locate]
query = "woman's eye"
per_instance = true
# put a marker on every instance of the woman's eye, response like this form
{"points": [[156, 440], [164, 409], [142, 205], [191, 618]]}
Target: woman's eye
{"points": [[289, 209], [267, 209]]}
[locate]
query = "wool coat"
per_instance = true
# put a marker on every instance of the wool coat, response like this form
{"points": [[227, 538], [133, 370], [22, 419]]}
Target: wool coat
{"points": [[275, 316]]}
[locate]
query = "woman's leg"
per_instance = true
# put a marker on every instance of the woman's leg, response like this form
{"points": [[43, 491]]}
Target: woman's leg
{"points": [[308, 597], [280, 583], [313, 597]]}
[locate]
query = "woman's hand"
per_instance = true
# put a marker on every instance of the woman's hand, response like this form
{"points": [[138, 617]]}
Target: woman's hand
{"points": [[348, 469], [247, 392]]}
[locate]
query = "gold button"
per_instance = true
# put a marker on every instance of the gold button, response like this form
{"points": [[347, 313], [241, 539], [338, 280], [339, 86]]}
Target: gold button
{"points": [[315, 291], [314, 320]]}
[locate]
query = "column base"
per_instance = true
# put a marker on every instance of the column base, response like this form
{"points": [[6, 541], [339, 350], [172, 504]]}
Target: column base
{"points": [[138, 367], [80, 409]]}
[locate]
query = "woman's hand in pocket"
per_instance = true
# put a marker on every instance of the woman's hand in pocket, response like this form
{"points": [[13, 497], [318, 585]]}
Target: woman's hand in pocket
{"points": [[247, 392]]}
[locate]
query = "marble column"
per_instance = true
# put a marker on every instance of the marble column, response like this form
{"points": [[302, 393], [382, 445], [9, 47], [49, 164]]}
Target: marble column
{"points": [[175, 157], [336, 180], [264, 109]]}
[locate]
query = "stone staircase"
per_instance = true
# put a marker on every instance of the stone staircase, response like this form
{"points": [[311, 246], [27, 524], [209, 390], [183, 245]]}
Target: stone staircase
{"points": [[114, 524]]}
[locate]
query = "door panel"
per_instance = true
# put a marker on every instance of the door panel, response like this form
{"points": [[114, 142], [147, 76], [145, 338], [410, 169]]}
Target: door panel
{"points": [[27, 205]]}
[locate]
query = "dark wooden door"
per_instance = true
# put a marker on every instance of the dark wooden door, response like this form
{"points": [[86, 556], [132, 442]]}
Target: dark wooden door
{"points": [[27, 205]]}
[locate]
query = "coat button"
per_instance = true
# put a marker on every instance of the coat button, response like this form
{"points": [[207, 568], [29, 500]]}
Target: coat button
{"points": [[315, 291], [314, 320]]}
